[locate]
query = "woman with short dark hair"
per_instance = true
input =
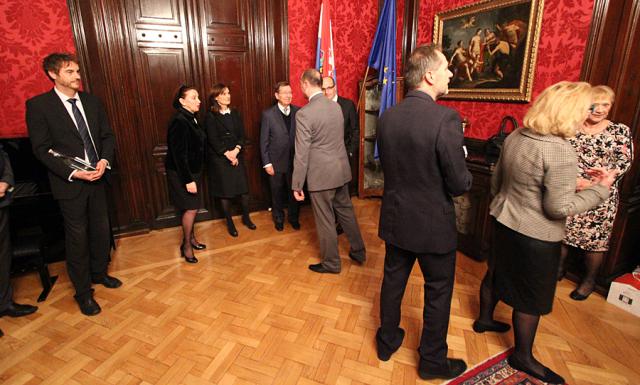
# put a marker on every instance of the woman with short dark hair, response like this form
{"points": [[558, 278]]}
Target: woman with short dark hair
{"points": [[184, 161]]}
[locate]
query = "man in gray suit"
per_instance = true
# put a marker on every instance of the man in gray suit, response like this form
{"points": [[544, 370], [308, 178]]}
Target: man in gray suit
{"points": [[321, 159]]}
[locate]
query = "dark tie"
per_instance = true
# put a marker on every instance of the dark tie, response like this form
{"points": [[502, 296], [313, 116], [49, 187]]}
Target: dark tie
{"points": [[84, 132]]}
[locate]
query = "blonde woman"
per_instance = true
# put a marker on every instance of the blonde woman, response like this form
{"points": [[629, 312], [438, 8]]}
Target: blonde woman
{"points": [[599, 142], [534, 189]]}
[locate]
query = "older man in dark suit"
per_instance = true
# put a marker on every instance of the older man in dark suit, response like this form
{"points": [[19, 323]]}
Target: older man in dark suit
{"points": [[277, 144], [7, 306], [321, 159], [75, 123], [420, 145], [351, 125]]}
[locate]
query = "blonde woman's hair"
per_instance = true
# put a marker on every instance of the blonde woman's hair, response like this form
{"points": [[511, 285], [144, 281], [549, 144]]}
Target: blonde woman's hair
{"points": [[602, 90], [560, 109]]}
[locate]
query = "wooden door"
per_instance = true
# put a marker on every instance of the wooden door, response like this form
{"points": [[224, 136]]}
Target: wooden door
{"points": [[136, 53]]}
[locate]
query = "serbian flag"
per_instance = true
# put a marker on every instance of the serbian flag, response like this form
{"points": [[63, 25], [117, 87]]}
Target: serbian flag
{"points": [[325, 59]]}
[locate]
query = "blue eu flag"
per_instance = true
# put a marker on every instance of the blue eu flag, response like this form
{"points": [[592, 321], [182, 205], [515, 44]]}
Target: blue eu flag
{"points": [[383, 56]]}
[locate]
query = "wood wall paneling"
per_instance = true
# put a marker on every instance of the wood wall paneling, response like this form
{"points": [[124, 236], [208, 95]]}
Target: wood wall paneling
{"points": [[134, 55], [613, 58]]}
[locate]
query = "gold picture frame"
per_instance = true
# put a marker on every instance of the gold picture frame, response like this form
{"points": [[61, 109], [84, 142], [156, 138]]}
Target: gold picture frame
{"points": [[491, 47]]}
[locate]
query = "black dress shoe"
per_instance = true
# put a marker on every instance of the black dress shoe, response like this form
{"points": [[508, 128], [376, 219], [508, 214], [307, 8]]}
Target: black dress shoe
{"points": [[18, 310], [494, 326], [549, 376], [295, 225], [88, 306], [1, 333], [247, 222], [452, 369], [198, 246], [318, 268], [576, 296], [357, 259], [279, 226], [385, 353], [107, 281], [339, 229]]}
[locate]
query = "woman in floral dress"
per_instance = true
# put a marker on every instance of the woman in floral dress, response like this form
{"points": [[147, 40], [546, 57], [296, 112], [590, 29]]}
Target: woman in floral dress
{"points": [[600, 143]]}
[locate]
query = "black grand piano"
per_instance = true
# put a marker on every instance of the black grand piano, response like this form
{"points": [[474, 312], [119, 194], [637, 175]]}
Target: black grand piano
{"points": [[37, 231]]}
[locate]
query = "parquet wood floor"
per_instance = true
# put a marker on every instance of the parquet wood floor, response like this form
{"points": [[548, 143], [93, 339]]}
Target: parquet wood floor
{"points": [[250, 312]]}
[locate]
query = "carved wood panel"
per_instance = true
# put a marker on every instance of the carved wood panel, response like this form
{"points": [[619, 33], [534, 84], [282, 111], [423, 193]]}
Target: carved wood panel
{"points": [[136, 53]]}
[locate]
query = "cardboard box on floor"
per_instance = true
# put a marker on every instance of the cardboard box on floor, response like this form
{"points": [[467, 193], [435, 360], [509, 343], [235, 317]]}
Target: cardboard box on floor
{"points": [[625, 292]]}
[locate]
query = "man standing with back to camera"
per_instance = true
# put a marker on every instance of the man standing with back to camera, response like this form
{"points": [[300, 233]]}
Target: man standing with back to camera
{"points": [[74, 123], [321, 159], [420, 145]]}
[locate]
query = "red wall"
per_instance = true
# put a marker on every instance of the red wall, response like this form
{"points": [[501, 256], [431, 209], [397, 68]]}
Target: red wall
{"points": [[565, 30], [354, 26], [27, 35]]}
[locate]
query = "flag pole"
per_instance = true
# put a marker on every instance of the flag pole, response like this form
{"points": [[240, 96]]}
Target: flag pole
{"points": [[364, 84]]}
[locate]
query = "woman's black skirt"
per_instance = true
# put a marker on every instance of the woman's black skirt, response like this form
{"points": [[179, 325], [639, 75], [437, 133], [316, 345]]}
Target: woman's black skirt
{"points": [[525, 270]]}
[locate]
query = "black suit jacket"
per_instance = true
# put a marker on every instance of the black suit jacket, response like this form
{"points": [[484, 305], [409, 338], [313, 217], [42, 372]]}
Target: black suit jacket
{"points": [[277, 146], [351, 126], [6, 175], [420, 145], [51, 127]]}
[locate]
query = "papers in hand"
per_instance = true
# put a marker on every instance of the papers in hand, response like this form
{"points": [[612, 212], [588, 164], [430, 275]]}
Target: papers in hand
{"points": [[74, 163]]}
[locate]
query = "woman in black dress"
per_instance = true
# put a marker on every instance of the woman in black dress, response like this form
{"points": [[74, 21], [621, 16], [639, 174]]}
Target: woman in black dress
{"points": [[185, 157], [225, 138]]}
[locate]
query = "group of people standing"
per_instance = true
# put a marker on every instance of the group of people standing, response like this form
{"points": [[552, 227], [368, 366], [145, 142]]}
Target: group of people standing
{"points": [[554, 187], [545, 197], [297, 145]]}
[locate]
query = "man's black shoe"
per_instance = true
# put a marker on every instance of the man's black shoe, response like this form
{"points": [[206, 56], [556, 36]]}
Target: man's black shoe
{"points": [[279, 226], [384, 354], [295, 225], [318, 268], [452, 369], [339, 229], [357, 259], [18, 310], [107, 281], [88, 306], [1, 333]]}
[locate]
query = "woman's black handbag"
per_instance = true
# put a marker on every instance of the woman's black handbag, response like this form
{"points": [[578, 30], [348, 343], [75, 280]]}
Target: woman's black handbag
{"points": [[494, 144]]}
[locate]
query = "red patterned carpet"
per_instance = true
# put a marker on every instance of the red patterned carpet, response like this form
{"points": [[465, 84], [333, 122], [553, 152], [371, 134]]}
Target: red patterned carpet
{"points": [[495, 371]]}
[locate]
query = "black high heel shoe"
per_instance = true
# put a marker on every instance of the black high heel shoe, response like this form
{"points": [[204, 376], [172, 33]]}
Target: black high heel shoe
{"points": [[247, 222], [189, 259], [197, 245], [231, 228]]}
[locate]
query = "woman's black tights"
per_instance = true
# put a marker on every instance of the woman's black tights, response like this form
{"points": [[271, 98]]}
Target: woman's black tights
{"points": [[188, 219], [524, 331]]}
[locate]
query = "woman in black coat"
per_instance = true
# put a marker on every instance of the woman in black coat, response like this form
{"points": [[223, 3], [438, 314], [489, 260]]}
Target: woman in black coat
{"points": [[225, 138], [184, 161]]}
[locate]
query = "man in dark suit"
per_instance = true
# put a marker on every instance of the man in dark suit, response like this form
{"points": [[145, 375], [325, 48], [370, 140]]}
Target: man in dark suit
{"points": [[351, 125], [321, 159], [74, 123], [420, 146], [7, 306], [277, 144]]}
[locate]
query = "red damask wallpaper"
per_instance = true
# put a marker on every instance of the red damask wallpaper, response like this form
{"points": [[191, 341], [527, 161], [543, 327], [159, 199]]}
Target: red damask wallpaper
{"points": [[354, 26], [565, 30], [27, 34]]}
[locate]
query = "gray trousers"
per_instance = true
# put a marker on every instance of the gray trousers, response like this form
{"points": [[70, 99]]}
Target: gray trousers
{"points": [[325, 203]]}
